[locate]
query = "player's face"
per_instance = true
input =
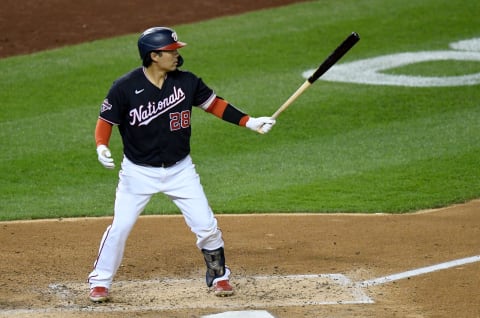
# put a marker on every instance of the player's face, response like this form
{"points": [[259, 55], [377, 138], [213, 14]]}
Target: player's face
{"points": [[167, 60]]}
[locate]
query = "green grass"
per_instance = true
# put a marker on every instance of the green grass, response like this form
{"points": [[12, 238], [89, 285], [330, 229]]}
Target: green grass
{"points": [[339, 148]]}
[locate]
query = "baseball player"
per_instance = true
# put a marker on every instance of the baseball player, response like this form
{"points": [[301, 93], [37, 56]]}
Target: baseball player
{"points": [[152, 107]]}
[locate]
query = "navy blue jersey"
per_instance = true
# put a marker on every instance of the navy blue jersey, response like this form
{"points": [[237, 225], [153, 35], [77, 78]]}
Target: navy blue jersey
{"points": [[154, 123]]}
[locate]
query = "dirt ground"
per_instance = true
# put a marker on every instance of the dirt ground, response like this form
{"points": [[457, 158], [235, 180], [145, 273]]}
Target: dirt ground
{"points": [[36, 256], [44, 264]]}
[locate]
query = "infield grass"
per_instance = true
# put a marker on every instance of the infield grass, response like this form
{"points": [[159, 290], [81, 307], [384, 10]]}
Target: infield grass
{"points": [[339, 148]]}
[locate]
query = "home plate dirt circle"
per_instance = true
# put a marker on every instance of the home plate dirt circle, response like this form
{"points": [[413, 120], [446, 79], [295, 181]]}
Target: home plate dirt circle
{"points": [[182, 294], [253, 292]]}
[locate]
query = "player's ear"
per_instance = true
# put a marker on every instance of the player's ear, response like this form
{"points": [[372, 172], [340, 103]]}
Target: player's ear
{"points": [[155, 55], [149, 58]]}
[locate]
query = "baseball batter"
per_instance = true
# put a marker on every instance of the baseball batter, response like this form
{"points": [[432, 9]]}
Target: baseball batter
{"points": [[152, 107]]}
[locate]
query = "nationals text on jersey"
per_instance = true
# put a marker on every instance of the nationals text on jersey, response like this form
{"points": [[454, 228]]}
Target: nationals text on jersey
{"points": [[144, 115]]}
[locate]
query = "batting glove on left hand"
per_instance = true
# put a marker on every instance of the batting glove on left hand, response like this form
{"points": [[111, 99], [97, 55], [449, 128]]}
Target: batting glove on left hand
{"points": [[261, 125], [105, 157]]}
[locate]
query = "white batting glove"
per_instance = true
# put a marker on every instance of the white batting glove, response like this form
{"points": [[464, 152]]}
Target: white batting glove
{"points": [[261, 125], [105, 157]]}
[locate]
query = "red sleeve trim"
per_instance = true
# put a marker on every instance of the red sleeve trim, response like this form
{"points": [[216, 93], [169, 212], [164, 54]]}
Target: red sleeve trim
{"points": [[243, 121], [218, 107], [103, 131]]}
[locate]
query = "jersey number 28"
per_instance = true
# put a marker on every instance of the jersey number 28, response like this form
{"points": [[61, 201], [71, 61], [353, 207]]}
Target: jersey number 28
{"points": [[179, 120]]}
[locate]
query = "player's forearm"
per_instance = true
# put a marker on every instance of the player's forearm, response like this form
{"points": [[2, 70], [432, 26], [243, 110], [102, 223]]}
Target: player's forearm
{"points": [[222, 109], [103, 131]]}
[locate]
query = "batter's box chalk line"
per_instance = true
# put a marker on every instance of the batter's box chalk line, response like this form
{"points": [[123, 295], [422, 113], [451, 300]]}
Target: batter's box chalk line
{"points": [[419, 271]]}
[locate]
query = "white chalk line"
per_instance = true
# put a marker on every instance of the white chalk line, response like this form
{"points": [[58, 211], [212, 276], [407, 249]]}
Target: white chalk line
{"points": [[419, 271]]}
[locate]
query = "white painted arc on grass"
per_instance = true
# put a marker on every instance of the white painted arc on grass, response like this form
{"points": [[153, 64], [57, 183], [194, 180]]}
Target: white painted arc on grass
{"points": [[372, 70], [420, 271]]}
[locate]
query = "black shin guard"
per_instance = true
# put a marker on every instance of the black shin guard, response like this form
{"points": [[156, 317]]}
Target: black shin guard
{"points": [[215, 261]]}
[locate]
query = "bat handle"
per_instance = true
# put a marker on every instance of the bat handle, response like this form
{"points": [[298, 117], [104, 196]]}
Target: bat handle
{"points": [[289, 101]]}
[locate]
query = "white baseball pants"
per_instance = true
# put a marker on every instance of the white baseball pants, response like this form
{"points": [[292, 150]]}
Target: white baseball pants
{"points": [[136, 186]]}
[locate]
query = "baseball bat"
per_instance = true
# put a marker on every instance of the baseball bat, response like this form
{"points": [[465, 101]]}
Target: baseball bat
{"points": [[333, 58]]}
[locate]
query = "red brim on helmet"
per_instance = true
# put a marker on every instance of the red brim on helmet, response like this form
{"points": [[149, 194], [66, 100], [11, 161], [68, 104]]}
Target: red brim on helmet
{"points": [[172, 46]]}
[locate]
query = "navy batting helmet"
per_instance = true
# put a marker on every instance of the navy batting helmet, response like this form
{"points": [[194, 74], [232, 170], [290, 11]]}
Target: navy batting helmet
{"points": [[156, 39]]}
